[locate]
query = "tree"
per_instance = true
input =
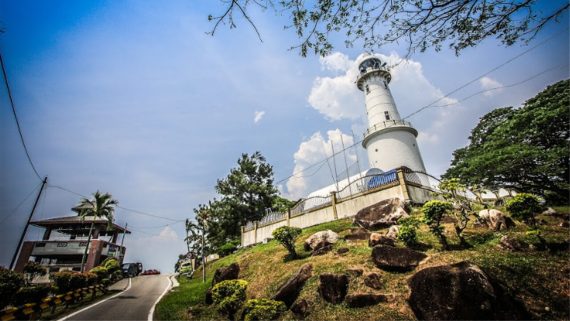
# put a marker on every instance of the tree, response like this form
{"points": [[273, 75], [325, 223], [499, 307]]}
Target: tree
{"points": [[524, 207], [524, 149], [434, 212], [197, 233], [100, 206], [246, 193], [454, 192], [458, 24]]}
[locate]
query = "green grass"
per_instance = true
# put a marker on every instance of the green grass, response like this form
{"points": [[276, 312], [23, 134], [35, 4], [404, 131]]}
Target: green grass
{"points": [[538, 278]]}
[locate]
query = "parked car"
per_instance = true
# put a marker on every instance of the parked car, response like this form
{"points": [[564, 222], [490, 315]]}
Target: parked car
{"points": [[150, 272], [131, 269]]}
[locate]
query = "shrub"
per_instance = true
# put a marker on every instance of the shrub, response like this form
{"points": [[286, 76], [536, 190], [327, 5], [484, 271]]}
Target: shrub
{"points": [[262, 309], [33, 270], [407, 233], [433, 214], [228, 296], [286, 235], [228, 248], [100, 271], [62, 281], [523, 207], [117, 275], [77, 281], [106, 281], [91, 278], [111, 264], [31, 294], [10, 283]]}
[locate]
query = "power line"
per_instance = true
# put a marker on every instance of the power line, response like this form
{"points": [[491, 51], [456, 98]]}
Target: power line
{"points": [[121, 207], [19, 204], [16, 117], [485, 74]]}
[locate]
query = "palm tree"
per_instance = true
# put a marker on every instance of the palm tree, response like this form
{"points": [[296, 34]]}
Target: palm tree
{"points": [[100, 206]]}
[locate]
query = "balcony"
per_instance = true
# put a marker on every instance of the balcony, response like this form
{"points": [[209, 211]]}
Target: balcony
{"points": [[46, 248], [386, 126]]}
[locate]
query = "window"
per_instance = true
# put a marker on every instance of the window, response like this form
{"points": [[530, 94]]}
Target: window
{"points": [[387, 115], [367, 89]]}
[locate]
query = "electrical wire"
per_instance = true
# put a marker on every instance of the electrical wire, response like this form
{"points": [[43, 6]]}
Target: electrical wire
{"points": [[6, 83], [13, 211], [508, 61]]}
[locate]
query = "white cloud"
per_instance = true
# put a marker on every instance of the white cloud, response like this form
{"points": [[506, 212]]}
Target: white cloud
{"points": [[257, 116], [166, 234], [490, 84], [336, 62], [313, 151]]}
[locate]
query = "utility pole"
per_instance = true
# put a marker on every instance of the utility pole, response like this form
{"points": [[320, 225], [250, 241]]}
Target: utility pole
{"points": [[334, 164], [122, 241], [356, 153], [13, 262]]}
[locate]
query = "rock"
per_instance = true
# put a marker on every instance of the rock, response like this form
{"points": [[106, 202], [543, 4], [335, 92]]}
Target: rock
{"points": [[357, 233], [381, 214], [377, 238], [550, 211], [373, 280], [359, 300], [396, 259], [320, 239], [290, 290], [322, 249], [333, 287], [354, 272], [564, 224], [300, 309], [512, 244], [230, 272], [393, 232], [496, 220], [342, 250], [460, 291]]}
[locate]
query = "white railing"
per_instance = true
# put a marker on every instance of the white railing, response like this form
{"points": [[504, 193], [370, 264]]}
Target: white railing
{"points": [[387, 124]]}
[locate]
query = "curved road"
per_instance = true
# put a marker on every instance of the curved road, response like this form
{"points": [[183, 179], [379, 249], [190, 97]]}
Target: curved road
{"points": [[132, 304]]}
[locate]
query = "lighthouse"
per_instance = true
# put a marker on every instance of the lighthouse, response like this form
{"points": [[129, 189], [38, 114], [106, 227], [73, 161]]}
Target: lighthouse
{"points": [[389, 141]]}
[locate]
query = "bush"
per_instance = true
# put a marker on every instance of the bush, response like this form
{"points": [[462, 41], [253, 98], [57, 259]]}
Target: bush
{"points": [[286, 235], [111, 264], [10, 283], [116, 276], [262, 309], [62, 281], [33, 270], [433, 214], [101, 272], [31, 294], [228, 296], [91, 278], [228, 248], [106, 282], [524, 207], [77, 281], [407, 233]]}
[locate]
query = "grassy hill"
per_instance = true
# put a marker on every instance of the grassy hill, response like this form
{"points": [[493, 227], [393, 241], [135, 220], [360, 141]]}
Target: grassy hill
{"points": [[538, 278]]}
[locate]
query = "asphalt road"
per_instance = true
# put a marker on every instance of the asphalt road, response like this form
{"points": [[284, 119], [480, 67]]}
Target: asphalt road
{"points": [[133, 304]]}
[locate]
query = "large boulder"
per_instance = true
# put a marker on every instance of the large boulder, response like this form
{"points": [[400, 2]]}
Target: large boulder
{"points": [[229, 272], [301, 309], [333, 287], [320, 240], [359, 300], [290, 290], [495, 220], [379, 239], [381, 214], [357, 233], [396, 259], [511, 244], [373, 280], [460, 291]]}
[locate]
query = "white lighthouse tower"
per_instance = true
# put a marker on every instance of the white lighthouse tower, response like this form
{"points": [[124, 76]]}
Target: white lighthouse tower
{"points": [[389, 140]]}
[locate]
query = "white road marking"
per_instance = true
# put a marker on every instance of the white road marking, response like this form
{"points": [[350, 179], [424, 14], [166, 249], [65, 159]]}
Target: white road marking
{"points": [[151, 312], [96, 303]]}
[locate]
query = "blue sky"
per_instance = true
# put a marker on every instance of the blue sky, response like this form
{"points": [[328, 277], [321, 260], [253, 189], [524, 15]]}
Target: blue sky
{"points": [[135, 99]]}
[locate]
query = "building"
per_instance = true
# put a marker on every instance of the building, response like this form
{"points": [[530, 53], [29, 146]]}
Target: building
{"points": [[389, 140], [64, 242]]}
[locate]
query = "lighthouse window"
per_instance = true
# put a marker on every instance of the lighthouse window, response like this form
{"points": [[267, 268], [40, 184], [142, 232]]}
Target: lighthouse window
{"points": [[387, 115], [367, 89]]}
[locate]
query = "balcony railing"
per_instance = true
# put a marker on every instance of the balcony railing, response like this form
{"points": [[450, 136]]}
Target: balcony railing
{"points": [[387, 124]]}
